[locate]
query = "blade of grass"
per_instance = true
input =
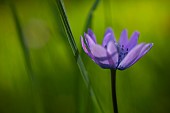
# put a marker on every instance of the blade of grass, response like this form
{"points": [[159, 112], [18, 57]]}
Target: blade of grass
{"points": [[76, 54], [71, 40], [90, 15], [25, 49]]}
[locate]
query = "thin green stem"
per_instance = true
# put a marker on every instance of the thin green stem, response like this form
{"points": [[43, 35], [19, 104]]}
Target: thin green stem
{"points": [[22, 41], [90, 15], [113, 82], [68, 32]]}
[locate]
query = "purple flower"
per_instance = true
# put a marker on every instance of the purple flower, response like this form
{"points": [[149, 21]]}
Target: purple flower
{"points": [[112, 54]]}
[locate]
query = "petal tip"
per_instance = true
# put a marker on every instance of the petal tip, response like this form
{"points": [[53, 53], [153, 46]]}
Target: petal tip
{"points": [[89, 30], [85, 35], [125, 29], [81, 38], [137, 33], [151, 45], [108, 29]]}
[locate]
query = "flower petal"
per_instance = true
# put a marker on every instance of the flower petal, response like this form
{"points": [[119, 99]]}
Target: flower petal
{"points": [[146, 49], [98, 51], [133, 40], [131, 56], [123, 38], [92, 35], [109, 35], [106, 39], [83, 45], [112, 54], [88, 52], [100, 56], [105, 65], [89, 40], [143, 51]]}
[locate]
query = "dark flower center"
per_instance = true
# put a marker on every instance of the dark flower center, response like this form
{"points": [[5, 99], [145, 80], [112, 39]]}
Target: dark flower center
{"points": [[122, 52]]}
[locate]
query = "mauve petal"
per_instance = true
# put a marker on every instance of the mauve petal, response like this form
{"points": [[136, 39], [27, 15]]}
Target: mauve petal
{"points": [[123, 38], [131, 56], [102, 62], [89, 41], [106, 40], [146, 49], [107, 37], [98, 51], [133, 40], [83, 45], [88, 52], [112, 54], [100, 55], [143, 51], [105, 65], [92, 35]]}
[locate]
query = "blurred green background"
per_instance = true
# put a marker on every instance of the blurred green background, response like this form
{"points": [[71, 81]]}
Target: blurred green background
{"points": [[39, 74]]}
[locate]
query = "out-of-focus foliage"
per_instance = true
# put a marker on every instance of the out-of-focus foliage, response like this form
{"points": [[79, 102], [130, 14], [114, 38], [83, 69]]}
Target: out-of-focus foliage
{"points": [[57, 85]]}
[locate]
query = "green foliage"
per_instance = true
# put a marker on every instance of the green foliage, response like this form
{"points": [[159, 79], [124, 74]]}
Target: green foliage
{"points": [[90, 15], [76, 52], [36, 41]]}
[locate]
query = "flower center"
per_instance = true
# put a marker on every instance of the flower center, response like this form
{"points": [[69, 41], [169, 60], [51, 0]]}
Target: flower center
{"points": [[122, 52]]}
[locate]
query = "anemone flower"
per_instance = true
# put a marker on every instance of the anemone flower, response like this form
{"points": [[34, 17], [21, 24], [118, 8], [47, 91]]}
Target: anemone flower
{"points": [[112, 54]]}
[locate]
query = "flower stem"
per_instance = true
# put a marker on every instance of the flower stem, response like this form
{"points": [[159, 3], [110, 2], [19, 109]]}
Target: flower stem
{"points": [[113, 82]]}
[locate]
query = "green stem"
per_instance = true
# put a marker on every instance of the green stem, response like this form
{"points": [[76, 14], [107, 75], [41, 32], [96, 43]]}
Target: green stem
{"points": [[90, 15], [22, 41], [113, 82], [64, 20]]}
